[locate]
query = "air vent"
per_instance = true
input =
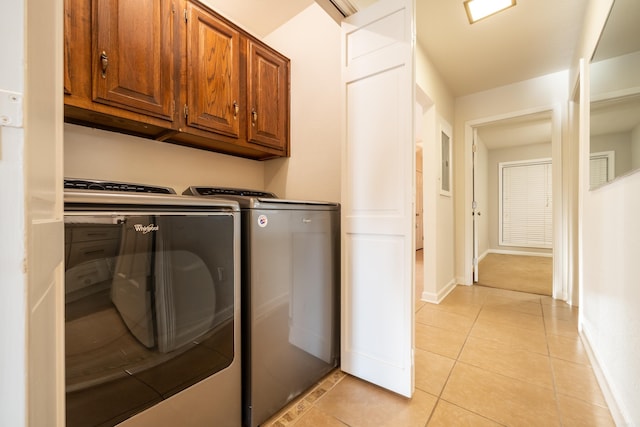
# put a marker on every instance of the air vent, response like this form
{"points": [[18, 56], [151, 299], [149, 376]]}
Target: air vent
{"points": [[83, 184]]}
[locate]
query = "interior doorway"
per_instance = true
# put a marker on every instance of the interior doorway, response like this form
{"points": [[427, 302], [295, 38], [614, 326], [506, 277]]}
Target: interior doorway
{"points": [[512, 202], [425, 197]]}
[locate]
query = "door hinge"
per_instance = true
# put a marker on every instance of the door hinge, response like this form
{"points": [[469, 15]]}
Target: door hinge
{"points": [[11, 108], [186, 111], [474, 147]]}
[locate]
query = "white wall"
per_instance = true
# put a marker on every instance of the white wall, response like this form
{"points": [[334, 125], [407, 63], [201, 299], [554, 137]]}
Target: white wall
{"points": [[534, 95], [429, 79], [98, 154], [311, 40], [439, 226], [609, 316]]}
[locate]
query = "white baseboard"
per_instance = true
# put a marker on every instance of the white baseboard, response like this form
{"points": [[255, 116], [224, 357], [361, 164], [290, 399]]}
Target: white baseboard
{"points": [[523, 253], [436, 298], [617, 409]]}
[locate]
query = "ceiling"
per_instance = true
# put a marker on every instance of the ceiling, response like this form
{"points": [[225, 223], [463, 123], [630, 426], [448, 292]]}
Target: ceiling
{"points": [[534, 38]]}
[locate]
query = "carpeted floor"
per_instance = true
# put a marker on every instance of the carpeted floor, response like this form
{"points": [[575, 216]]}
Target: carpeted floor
{"points": [[531, 274]]}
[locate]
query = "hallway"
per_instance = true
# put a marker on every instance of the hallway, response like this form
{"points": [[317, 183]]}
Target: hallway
{"points": [[484, 357]]}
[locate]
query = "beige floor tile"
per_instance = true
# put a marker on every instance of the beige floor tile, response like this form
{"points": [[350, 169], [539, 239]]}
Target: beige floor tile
{"points": [[514, 295], [431, 371], [312, 418], [511, 336], [561, 311], [440, 341], [533, 368], [576, 380], [499, 314], [567, 348], [499, 398], [471, 294], [528, 307], [444, 319], [576, 413], [565, 328], [359, 404], [461, 308], [448, 415]]}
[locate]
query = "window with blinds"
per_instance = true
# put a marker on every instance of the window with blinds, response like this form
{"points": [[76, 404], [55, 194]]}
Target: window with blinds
{"points": [[601, 168], [526, 204]]}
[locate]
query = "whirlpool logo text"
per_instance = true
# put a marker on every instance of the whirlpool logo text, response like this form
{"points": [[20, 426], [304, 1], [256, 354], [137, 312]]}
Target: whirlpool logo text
{"points": [[144, 229]]}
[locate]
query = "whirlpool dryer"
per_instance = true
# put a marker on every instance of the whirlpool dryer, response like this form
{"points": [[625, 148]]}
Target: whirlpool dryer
{"points": [[152, 307], [290, 296]]}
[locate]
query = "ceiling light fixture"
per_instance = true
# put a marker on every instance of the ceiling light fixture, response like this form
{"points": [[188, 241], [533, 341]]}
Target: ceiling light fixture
{"points": [[480, 9]]}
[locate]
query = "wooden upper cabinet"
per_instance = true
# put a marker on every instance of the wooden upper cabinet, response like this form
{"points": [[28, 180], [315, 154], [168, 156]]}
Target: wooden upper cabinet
{"points": [[213, 73], [268, 97], [133, 56], [174, 71]]}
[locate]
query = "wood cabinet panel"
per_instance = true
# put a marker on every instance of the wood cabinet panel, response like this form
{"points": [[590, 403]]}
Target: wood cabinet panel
{"points": [[213, 73], [133, 55], [267, 93]]}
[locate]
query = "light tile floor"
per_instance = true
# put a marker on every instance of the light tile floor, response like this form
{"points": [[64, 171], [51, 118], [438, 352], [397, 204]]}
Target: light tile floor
{"points": [[484, 357]]}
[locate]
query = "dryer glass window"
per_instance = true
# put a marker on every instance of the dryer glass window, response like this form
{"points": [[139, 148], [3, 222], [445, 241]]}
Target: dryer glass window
{"points": [[149, 306]]}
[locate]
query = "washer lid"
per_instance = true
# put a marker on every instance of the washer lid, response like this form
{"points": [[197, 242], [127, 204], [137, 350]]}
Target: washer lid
{"points": [[227, 191], [256, 199]]}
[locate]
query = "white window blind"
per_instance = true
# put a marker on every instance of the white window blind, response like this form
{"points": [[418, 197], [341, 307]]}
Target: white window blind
{"points": [[601, 168], [526, 204]]}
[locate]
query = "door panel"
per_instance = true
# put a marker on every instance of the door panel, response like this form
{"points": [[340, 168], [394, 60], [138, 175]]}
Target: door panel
{"points": [[267, 96], [213, 73], [378, 182], [133, 56]]}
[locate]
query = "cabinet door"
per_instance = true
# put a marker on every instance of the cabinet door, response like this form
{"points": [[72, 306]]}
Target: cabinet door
{"points": [[268, 97], [133, 55], [213, 80]]}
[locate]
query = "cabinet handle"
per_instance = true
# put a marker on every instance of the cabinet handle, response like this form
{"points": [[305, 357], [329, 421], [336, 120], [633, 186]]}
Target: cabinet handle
{"points": [[236, 109], [254, 116], [104, 60]]}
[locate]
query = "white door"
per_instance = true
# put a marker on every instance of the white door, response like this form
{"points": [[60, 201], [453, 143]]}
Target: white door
{"points": [[474, 206], [377, 193], [31, 228]]}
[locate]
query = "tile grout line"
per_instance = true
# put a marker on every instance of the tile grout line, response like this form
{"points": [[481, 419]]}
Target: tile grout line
{"points": [[553, 372], [455, 362]]}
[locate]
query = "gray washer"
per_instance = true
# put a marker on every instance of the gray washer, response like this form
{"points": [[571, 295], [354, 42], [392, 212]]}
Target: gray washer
{"points": [[290, 296]]}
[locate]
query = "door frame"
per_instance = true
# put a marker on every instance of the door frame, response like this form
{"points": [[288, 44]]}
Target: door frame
{"points": [[560, 239]]}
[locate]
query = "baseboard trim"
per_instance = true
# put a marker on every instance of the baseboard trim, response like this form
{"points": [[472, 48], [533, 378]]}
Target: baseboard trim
{"points": [[436, 298], [618, 413], [523, 253]]}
